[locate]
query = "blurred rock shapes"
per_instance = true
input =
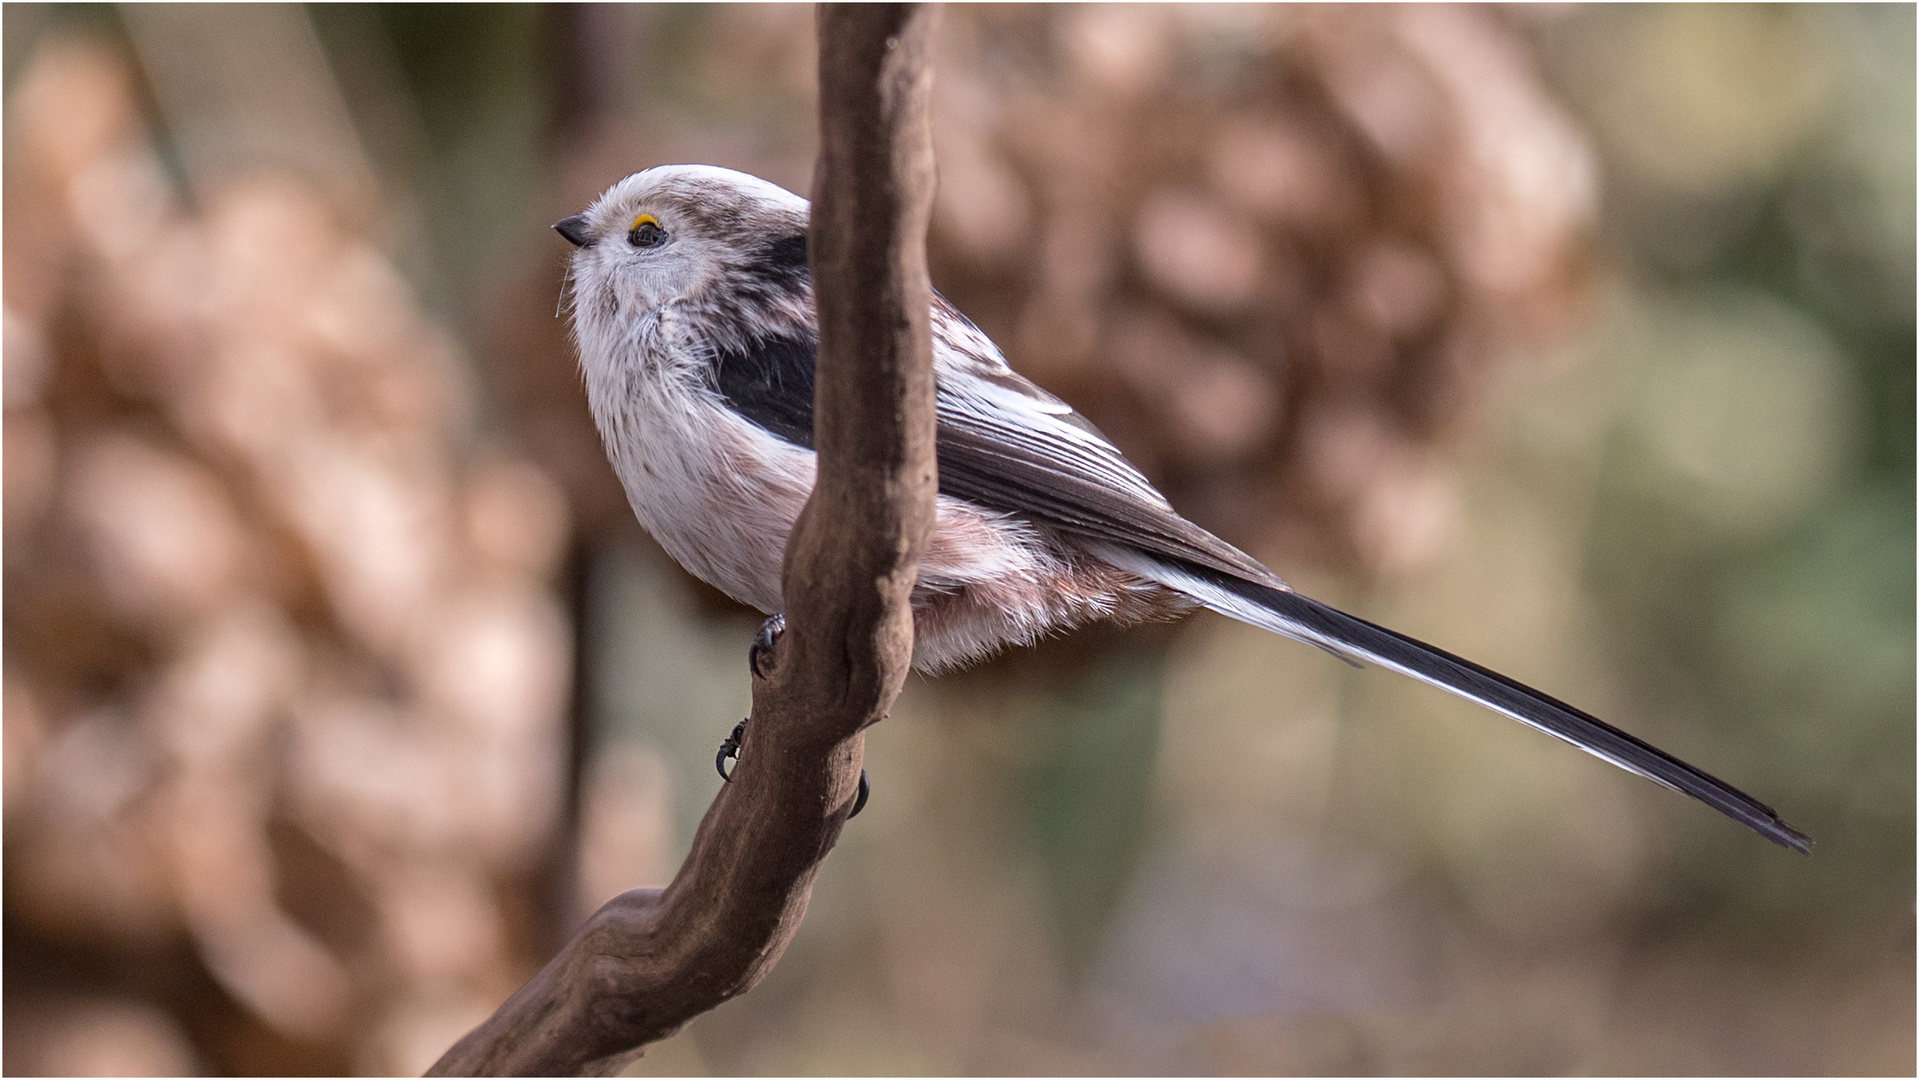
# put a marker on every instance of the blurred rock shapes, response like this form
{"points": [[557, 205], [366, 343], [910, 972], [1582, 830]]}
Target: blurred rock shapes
{"points": [[285, 673], [1277, 252]]}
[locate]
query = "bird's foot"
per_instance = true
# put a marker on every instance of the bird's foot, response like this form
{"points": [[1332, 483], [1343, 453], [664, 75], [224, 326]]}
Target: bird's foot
{"points": [[730, 751], [760, 653], [758, 656]]}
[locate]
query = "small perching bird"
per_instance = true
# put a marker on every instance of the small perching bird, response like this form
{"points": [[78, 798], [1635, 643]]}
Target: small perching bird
{"points": [[693, 313]]}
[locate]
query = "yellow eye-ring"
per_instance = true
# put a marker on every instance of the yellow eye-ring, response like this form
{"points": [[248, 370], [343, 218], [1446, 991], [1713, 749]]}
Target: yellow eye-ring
{"points": [[646, 232]]}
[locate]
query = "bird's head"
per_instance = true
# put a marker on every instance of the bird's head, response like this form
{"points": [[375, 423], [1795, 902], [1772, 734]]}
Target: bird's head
{"points": [[692, 235]]}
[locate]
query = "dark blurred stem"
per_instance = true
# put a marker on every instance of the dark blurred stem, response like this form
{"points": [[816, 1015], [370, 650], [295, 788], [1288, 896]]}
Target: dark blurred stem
{"points": [[559, 887], [588, 65], [591, 55]]}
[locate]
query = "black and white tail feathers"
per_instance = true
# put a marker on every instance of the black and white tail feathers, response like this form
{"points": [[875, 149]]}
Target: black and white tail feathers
{"points": [[1007, 445], [1302, 618]]}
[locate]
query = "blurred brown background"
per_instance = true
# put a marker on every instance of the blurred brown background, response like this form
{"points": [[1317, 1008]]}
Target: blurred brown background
{"points": [[339, 683]]}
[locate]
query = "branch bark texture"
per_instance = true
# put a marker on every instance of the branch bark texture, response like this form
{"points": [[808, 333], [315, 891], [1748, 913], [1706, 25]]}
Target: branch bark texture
{"points": [[651, 960]]}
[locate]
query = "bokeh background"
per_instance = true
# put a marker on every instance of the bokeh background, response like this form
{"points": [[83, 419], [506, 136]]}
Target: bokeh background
{"points": [[340, 684]]}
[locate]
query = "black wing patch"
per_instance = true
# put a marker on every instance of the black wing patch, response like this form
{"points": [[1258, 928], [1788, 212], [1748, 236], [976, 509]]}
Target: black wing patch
{"points": [[770, 382]]}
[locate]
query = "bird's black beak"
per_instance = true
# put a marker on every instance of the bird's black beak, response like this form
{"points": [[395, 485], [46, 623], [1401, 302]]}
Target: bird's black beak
{"points": [[574, 229]]}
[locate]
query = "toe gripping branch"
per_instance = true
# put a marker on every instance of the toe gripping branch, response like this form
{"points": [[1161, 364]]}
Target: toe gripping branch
{"points": [[730, 750], [730, 747]]}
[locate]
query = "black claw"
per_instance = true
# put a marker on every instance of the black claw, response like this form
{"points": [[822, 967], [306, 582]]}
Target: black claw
{"points": [[859, 801], [731, 746], [763, 643], [730, 750]]}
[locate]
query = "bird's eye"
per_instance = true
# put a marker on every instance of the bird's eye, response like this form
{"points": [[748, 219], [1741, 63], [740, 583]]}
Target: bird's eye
{"points": [[646, 232]]}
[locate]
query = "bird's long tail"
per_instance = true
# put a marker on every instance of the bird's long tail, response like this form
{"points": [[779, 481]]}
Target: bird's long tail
{"points": [[1302, 618]]}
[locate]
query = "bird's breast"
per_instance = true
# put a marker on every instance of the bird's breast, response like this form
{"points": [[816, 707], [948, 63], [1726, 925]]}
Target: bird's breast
{"points": [[719, 493]]}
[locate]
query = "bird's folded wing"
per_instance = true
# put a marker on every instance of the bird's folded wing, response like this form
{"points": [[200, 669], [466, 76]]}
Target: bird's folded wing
{"points": [[1072, 488], [1008, 445], [1003, 443]]}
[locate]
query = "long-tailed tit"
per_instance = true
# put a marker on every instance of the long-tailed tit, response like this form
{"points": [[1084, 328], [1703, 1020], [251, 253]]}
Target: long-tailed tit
{"points": [[693, 313]]}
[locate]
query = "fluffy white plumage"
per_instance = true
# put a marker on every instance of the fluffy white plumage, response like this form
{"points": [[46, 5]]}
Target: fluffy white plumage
{"points": [[720, 493]]}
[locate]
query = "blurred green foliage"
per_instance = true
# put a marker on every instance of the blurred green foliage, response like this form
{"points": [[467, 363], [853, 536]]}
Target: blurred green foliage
{"points": [[1781, 605], [1088, 780]]}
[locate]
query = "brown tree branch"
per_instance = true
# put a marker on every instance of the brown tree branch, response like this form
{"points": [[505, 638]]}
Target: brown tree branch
{"points": [[651, 960]]}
